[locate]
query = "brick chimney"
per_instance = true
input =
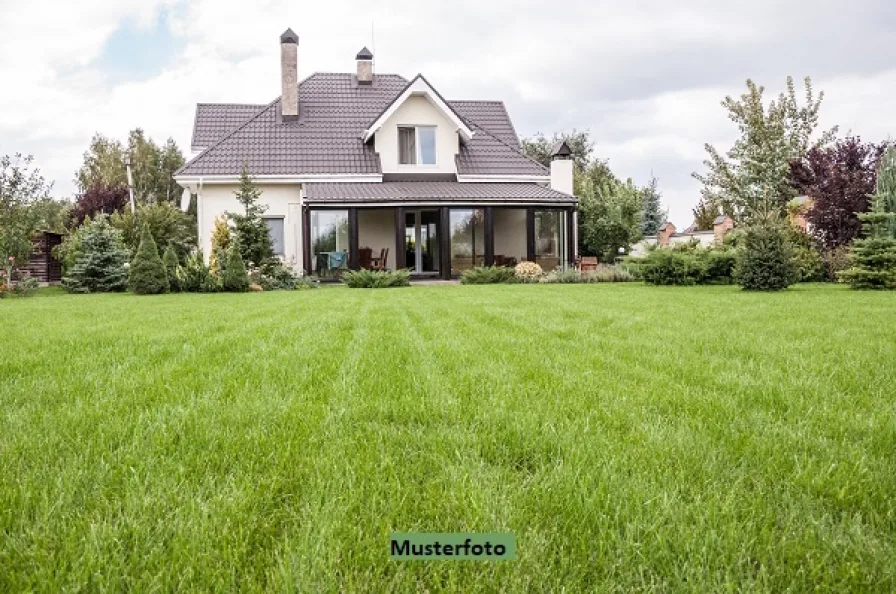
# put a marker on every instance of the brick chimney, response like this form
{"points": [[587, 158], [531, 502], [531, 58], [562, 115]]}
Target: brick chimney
{"points": [[289, 75], [561, 168], [665, 234], [721, 226], [365, 66]]}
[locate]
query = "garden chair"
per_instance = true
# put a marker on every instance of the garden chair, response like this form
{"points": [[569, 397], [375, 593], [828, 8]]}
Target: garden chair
{"points": [[380, 262], [587, 263]]}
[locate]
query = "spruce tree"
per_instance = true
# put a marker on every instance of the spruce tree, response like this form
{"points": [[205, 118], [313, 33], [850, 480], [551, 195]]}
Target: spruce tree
{"points": [[169, 260], [98, 265], [147, 274], [220, 243], [256, 247], [766, 262], [654, 216], [886, 185], [235, 278], [874, 257]]}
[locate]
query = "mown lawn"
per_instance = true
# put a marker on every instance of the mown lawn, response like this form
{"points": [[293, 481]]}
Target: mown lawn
{"points": [[634, 438]]}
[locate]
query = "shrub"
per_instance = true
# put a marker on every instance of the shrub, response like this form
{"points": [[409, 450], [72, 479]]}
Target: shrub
{"points": [[220, 244], [97, 259], [835, 261], [376, 279], [486, 275], [24, 286], [249, 227], [275, 277], [874, 256], [528, 272], [195, 276], [147, 274], [607, 273], [235, 279], [166, 223], [307, 282], [561, 276], [717, 265], [671, 267], [765, 262], [810, 267], [169, 261]]}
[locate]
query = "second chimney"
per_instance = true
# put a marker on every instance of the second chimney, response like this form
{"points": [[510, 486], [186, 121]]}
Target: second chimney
{"points": [[289, 75], [365, 66]]}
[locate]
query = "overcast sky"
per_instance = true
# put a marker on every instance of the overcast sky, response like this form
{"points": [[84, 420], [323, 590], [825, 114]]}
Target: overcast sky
{"points": [[644, 77]]}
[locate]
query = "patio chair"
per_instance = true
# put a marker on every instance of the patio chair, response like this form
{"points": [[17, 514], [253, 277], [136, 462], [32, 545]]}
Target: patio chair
{"points": [[587, 263], [365, 257], [380, 262]]}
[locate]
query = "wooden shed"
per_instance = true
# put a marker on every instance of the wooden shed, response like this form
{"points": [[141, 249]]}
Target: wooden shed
{"points": [[43, 265]]}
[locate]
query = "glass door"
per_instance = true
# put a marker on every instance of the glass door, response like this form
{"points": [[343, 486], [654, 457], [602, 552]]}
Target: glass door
{"points": [[421, 241]]}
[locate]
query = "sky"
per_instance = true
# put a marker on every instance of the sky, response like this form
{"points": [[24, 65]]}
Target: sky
{"points": [[645, 78]]}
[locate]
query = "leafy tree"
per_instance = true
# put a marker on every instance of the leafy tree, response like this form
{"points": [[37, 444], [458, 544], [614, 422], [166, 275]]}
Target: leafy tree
{"points": [[254, 239], [147, 274], [166, 223], [97, 259], [765, 261], [98, 199], [169, 261], [838, 179], [874, 256], [705, 214], [539, 147], [52, 214], [235, 278], [886, 184], [610, 214], [21, 188], [751, 181], [220, 244], [653, 216], [152, 166]]}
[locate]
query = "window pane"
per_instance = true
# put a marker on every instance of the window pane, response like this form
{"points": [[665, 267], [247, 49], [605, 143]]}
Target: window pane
{"points": [[510, 236], [550, 239], [467, 239], [275, 228], [427, 136], [407, 148], [329, 242]]}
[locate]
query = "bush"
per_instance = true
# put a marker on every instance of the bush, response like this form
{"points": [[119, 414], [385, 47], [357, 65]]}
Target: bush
{"points": [[166, 223], [195, 276], [97, 259], [606, 273], [528, 272], [147, 274], [809, 265], [24, 286], [235, 279], [691, 266], [718, 265], [487, 275], [766, 262], [874, 256], [561, 276], [307, 282], [169, 261], [836, 260], [376, 279], [275, 277]]}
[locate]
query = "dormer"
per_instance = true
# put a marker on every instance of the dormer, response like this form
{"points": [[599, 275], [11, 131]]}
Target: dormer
{"points": [[418, 133]]}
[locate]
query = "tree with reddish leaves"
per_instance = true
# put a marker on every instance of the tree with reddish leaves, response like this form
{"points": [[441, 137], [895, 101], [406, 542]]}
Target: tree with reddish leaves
{"points": [[97, 199], [839, 180]]}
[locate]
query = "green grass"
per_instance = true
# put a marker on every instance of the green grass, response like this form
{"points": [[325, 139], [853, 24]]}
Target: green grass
{"points": [[634, 438]]}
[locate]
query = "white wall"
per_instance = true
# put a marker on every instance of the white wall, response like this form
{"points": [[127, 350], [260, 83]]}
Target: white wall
{"points": [[282, 200], [705, 238], [376, 230], [418, 111], [510, 232]]}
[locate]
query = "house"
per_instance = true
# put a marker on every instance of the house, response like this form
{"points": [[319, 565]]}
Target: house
{"points": [[359, 165], [668, 236]]}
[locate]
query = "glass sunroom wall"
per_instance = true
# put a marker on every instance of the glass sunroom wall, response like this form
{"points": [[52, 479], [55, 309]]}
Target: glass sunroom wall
{"points": [[329, 242], [550, 239], [510, 236], [467, 239]]}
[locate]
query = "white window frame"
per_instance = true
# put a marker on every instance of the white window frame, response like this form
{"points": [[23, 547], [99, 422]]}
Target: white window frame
{"points": [[419, 148]]}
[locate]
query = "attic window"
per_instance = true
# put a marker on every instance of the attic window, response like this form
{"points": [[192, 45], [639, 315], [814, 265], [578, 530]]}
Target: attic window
{"points": [[417, 145]]}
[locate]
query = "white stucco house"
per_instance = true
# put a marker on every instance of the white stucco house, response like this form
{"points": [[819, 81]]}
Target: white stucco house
{"points": [[354, 165]]}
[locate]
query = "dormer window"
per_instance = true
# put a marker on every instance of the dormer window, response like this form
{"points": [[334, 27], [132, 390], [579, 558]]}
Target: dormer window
{"points": [[417, 145]]}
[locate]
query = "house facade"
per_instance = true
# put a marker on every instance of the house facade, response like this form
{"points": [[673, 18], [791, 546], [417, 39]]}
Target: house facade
{"points": [[358, 166]]}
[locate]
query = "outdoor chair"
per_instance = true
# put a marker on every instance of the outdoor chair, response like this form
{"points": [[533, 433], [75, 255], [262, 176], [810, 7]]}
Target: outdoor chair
{"points": [[587, 263], [380, 262]]}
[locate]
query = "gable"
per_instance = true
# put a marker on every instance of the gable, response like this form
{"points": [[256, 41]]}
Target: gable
{"points": [[417, 111]]}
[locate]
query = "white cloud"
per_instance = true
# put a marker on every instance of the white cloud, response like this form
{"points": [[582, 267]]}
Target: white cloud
{"points": [[645, 77]]}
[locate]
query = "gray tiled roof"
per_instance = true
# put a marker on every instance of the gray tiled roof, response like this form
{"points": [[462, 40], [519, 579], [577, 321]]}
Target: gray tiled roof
{"points": [[719, 219], [323, 193], [326, 139], [214, 120]]}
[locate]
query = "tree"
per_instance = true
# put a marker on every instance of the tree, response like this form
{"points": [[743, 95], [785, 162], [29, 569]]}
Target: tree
{"points": [[752, 181], [838, 179], [220, 244], [539, 147], [886, 184], [765, 261], [874, 256], [169, 261], [52, 214], [147, 274], [254, 239], [609, 213], [97, 199], [705, 214], [235, 278], [97, 260], [653, 216], [152, 166], [166, 223], [21, 188]]}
